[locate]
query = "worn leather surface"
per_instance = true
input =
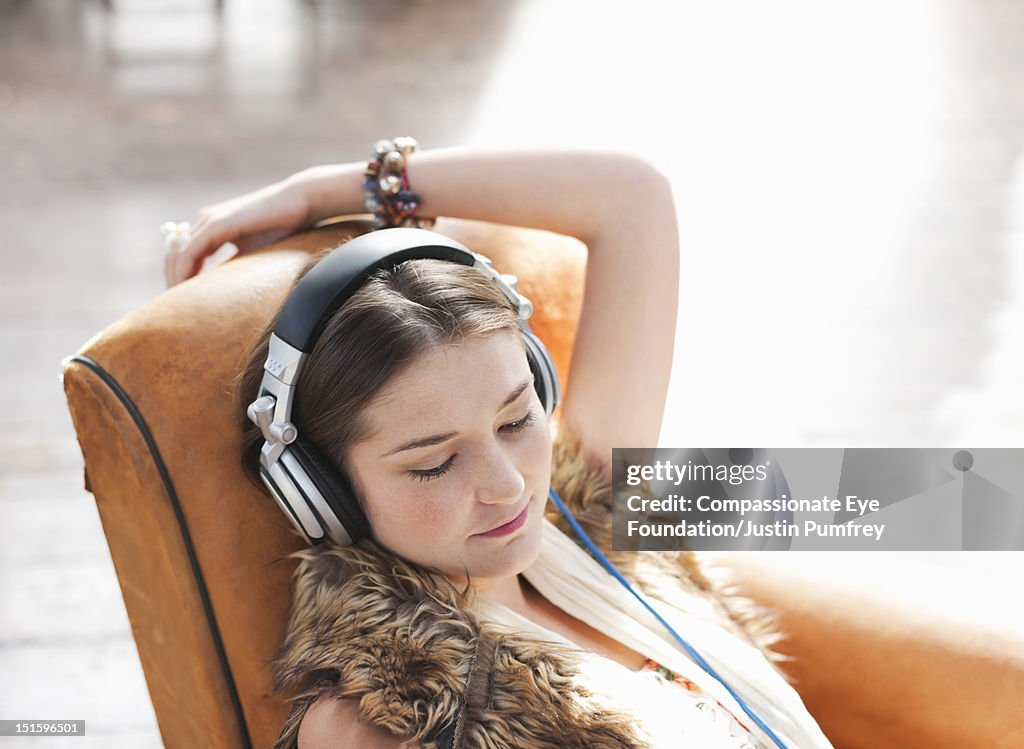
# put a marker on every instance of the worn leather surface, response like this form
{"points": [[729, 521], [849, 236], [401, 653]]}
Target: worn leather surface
{"points": [[177, 357]]}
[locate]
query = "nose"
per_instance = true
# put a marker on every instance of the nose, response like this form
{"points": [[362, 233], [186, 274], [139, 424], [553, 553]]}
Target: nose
{"points": [[500, 481]]}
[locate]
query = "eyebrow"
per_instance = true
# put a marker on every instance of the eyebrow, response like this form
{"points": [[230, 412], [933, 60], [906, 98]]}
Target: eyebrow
{"points": [[437, 439]]}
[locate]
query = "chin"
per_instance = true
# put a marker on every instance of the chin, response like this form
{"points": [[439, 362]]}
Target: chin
{"points": [[514, 556]]}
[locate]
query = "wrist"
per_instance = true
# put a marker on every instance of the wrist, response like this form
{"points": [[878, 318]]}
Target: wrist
{"points": [[389, 193], [328, 190]]}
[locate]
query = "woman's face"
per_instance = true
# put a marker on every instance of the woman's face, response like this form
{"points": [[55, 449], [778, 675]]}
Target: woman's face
{"points": [[459, 446]]}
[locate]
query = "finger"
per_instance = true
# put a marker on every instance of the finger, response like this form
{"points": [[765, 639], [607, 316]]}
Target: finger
{"points": [[179, 262], [187, 259], [175, 270], [206, 238], [175, 235], [214, 247], [221, 255], [177, 267], [168, 275]]}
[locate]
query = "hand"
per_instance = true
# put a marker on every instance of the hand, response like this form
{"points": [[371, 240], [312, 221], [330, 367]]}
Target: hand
{"points": [[249, 221]]}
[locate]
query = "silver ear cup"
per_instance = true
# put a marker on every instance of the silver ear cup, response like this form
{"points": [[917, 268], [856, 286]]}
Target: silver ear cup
{"points": [[298, 495], [290, 500], [333, 497], [328, 519], [547, 384]]}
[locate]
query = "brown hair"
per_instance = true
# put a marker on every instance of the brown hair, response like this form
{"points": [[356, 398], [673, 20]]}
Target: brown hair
{"points": [[394, 317]]}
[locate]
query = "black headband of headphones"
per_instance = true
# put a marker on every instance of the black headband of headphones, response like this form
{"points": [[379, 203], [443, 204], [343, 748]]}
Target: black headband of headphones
{"points": [[338, 276]]}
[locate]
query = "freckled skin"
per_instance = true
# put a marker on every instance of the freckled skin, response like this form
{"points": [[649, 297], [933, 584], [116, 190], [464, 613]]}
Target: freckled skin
{"points": [[495, 472]]}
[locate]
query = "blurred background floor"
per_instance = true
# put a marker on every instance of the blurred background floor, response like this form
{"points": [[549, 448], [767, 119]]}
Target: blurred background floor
{"points": [[850, 180]]}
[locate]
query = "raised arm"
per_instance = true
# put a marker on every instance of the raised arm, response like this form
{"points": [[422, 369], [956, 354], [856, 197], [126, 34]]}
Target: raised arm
{"points": [[619, 205]]}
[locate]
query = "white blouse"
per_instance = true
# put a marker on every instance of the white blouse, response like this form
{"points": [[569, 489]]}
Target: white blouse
{"points": [[683, 700], [672, 710]]}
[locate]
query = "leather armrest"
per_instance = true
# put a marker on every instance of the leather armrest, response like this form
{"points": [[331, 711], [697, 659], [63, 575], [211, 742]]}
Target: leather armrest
{"points": [[896, 653]]}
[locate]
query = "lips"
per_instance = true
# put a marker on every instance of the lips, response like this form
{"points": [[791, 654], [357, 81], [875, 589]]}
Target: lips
{"points": [[509, 525]]}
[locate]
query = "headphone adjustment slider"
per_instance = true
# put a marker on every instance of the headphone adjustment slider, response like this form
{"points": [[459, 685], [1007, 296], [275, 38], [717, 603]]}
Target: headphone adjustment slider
{"points": [[284, 432], [524, 305], [261, 413]]}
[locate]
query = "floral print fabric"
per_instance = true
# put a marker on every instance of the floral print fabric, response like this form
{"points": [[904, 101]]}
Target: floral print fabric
{"points": [[724, 720]]}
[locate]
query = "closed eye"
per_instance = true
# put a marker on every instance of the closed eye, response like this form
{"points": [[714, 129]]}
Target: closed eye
{"points": [[518, 426], [429, 474]]}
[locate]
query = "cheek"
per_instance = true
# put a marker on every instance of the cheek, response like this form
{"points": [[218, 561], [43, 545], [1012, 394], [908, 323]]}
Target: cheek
{"points": [[405, 510], [538, 452], [428, 509]]}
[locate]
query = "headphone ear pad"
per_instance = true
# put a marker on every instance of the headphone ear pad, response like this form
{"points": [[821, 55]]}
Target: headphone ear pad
{"points": [[335, 488], [545, 373]]}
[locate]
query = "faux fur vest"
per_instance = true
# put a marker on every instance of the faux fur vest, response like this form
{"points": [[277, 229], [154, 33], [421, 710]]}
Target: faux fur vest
{"points": [[367, 625]]}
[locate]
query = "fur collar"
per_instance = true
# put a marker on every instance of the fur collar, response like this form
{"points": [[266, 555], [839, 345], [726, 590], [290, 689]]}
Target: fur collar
{"points": [[366, 624]]}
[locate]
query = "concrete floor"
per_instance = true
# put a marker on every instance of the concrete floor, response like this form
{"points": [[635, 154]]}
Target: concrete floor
{"points": [[850, 180]]}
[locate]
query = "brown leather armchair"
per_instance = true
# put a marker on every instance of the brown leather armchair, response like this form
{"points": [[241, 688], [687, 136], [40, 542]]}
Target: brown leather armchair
{"points": [[199, 551]]}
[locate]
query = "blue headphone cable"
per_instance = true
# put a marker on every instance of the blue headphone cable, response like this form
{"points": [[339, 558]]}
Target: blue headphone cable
{"points": [[689, 648]]}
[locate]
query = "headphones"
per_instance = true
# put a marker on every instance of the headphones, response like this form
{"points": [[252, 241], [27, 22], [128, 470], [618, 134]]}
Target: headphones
{"points": [[316, 497]]}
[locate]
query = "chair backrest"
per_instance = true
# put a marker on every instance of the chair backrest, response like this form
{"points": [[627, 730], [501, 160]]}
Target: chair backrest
{"points": [[199, 551]]}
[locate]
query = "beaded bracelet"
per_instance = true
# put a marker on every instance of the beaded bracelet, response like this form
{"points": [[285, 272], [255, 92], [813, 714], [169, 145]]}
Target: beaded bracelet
{"points": [[388, 195]]}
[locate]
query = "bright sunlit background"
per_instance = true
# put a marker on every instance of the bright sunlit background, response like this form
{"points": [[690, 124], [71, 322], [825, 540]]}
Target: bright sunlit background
{"points": [[849, 176]]}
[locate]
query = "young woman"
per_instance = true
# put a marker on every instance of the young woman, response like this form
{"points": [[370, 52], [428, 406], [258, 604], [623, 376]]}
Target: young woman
{"points": [[469, 619]]}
